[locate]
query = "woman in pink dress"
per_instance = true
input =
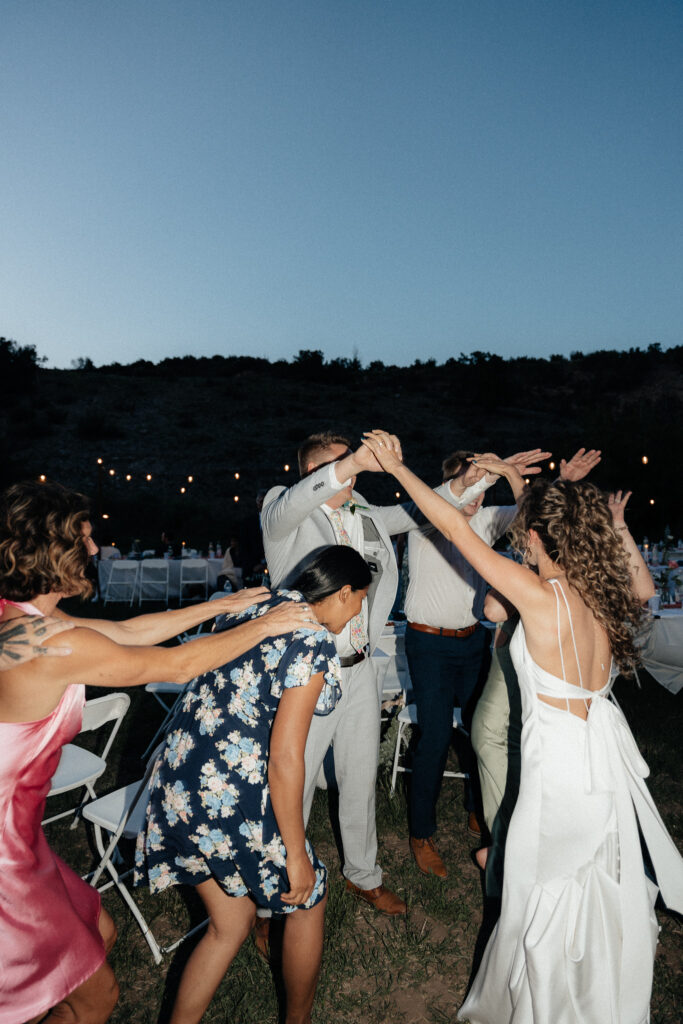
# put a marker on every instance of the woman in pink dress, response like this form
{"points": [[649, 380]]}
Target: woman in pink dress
{"points": [[54, 935]]}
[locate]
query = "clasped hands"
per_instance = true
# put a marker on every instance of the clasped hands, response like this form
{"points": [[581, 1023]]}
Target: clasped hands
{"points": [[386, 449]]}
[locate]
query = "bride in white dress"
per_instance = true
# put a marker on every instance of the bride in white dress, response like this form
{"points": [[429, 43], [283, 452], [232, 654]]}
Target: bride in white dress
{"points": [[576, 938]]}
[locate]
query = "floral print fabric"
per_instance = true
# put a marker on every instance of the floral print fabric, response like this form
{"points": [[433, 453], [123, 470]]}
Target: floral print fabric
{"points": [[210, 813]]}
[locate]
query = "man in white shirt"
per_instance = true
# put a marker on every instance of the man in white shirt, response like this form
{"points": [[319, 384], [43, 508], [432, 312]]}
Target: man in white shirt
{"points": [[448, 656]]}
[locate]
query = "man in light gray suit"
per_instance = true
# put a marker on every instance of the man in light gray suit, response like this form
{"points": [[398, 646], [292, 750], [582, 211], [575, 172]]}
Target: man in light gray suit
{"points": [[321, 509]]}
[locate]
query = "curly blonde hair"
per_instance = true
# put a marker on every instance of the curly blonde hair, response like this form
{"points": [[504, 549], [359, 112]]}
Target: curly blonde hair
{"points": [[575, 525], [42, 548]]}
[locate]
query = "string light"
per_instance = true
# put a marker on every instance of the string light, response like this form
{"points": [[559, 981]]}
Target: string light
{"points": [[652, 501], [190, 479], [236, 498], [286, 467], [42, 478], [398, 494], [551, 465], [645, 460], [237, 476], [112, 472], [149, 476], [527, 480], [105, 515], [182, 490], [99, 462]]}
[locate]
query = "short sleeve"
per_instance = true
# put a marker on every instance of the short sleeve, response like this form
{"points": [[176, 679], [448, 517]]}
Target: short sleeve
{"points": [[310, 652]]}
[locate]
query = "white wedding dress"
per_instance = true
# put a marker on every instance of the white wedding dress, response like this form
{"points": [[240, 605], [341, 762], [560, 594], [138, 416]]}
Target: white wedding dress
{"points": [[576, 937]]}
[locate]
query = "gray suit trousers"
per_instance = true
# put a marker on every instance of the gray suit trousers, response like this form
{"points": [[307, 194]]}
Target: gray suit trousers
{"points": [[352, 730]]}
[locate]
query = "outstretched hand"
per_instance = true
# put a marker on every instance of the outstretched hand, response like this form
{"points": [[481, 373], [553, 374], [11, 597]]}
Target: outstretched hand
{"points": [[494, 466], [617, 503], [241, 599], [385, 448], [23, 639], [580, 464], [525, 462]]}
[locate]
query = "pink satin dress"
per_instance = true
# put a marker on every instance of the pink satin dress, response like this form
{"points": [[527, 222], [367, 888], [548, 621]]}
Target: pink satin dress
{"points": [[49, 940]]}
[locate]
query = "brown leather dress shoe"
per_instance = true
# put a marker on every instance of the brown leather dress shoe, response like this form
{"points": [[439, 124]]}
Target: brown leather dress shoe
{"points": [[427, 858], [381, 898], [474, 825]]}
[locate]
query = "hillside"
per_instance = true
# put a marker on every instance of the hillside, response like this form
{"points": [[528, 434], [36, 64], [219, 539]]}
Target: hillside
{"points": [[214, 418]]}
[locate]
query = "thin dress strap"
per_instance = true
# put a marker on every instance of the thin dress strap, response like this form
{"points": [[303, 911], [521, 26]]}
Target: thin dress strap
{"points": [[556, 585]]}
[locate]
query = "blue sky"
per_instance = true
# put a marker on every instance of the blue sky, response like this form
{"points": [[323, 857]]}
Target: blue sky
{"points": [[399, 179]]}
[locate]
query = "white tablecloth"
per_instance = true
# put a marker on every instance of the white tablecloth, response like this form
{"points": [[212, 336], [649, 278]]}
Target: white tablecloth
{"points": [[663, 651], [214, 564]]}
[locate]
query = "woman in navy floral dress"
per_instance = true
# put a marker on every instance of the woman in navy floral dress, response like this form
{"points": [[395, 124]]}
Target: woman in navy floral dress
{"points": [[225, 812]]}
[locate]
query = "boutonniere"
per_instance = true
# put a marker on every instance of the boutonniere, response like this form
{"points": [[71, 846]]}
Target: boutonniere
{"points": [[353, 505]]}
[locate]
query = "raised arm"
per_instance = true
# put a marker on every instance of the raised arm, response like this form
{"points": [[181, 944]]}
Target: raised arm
{"points": [[286, 508], [641, 579], [286, 781], [402, 518], [145, 630], [406, 517], [514, 581]]}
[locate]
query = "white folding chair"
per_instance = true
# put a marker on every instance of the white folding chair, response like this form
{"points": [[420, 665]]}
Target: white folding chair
{"points": [[408, 716], [80, 768], [203, 627], [193, 572], [122, 582], [154, 579], [173, 693], [122, 814]]}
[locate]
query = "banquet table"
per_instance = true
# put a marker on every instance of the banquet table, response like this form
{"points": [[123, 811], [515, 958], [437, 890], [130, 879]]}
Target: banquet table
{"points": [[214, 564], [663, 650]]}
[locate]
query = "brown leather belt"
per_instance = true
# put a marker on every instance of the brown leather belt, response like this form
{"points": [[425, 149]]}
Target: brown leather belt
{"points": [[459, 633], [352, 659]]}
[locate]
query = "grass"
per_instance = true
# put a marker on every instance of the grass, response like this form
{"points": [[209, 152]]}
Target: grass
{"points": [[376, 970]]}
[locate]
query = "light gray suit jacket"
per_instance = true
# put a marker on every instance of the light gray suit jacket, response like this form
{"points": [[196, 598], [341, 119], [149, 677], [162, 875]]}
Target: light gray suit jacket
{"points": [[295, 527]]}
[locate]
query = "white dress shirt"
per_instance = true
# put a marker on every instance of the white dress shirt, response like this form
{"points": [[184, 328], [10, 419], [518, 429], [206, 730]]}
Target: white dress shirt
{"points": [[444, 590]]}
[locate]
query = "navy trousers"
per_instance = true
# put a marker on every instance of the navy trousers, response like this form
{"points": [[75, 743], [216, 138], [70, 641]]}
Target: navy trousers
{"points": [[446, 672]]}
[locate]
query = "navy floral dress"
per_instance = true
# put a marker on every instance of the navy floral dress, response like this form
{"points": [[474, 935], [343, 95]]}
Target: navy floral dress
{"points": [[210, 813]]}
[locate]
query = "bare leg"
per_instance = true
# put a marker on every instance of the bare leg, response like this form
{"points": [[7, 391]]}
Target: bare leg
{"points": [[230, 920], [93, 1001], [302, 949], [481, 856]]}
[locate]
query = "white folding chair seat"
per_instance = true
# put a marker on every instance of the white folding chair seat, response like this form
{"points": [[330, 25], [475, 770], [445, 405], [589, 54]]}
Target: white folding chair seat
{"points": [[122, 814], [408, 716], [122, 582], [154, 580], [193, 572], [79, 767]]}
